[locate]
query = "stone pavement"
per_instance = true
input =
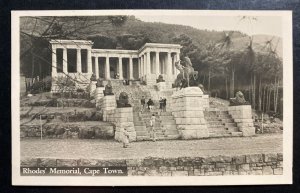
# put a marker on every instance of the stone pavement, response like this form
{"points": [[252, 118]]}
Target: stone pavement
{"points": [[107, 149]]}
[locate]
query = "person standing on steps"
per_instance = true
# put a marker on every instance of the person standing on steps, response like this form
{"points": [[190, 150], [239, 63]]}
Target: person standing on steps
{"points": [[125, 138], [152, 124], [143, 102], [161, 104], [164, 104], [150, 104]]}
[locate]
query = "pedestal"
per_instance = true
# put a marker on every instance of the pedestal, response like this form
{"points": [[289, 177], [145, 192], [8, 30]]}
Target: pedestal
{"points": [[242, 116], [92, 88], [124, 120], [107, 105], [99, 95], [188, 105], [161, 86]]}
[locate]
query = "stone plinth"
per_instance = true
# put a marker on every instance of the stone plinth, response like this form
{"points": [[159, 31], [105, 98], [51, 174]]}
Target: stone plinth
{"points": [[123, 118], [107, 105], [108, 102], [161, 86], [92, 87], [242, 115], [99, 95], [188, 105]]}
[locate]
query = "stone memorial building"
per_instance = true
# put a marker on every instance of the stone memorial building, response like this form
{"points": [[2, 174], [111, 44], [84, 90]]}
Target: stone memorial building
{"points": [[77, 59]]}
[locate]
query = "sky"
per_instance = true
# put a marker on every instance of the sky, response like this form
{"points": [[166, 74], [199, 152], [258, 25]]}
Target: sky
{"points": [[267, 25]]}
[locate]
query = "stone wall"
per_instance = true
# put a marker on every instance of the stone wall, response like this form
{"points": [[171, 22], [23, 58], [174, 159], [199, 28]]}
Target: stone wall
{"points": [[242, 116], [187, 108], [88, 130], [254, 164]]}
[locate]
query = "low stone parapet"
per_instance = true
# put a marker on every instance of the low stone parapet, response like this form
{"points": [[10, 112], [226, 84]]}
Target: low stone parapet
{"points": [[242, 116]]}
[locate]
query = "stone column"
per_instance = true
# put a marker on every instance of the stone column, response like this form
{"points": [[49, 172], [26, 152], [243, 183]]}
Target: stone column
{"points": [[139, 66], [145, 65], [142, 65], [89, 61], [120, 68], [65, 60], [169, 65], [96, 67], [176, 59], [107, 70], [157, 64], [54, 62], [130, 69], [79, 60], [148, 63]]}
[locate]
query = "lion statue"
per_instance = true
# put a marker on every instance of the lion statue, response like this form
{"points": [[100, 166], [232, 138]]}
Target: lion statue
{"points": [[123, 100], [238, 100]]}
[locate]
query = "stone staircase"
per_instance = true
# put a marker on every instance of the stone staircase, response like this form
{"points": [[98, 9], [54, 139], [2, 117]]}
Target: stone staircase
{"points": [[165, 129], [221, 124]]}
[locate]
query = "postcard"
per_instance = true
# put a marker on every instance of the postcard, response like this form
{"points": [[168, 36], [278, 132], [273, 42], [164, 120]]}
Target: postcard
{"points": [[151, 97]]}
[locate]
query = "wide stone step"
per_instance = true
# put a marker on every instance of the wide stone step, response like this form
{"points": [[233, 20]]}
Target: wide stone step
{"points": [[142, 133], [227, 120], [216, 126], [143, 138], [171, 132], [232, 129], [140, 128], [165, 113], [230, 124], [237, 134], [169, 127], [138, 123], [168, 122], [215, 123], [168, 137], [167, 117], [212, 134]]}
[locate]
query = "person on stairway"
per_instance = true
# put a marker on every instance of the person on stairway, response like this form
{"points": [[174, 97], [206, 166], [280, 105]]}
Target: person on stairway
{"points": [[150, 104], [143, 102], [164, 104], [152, 124], [125, 138], [161, 104]]}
